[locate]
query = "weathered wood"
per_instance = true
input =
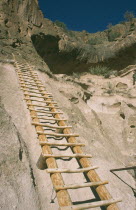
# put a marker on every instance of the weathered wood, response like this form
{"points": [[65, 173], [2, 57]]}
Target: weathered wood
{"points": [[31, 88], [47, 112], [124, 168], [65, 156], [45, 101], [29, 78], [44, 106], [77, 186], [36, 96], [49, 94], [32, 83], [22, 73], [91, 205], [92, 174], [46, 118], [51, 126], [61, 144], [62, 195], [58, 134], [21, 79], [65, 170]]}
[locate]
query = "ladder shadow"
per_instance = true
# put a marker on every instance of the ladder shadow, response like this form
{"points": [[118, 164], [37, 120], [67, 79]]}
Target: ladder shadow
{"points": [[93, 189], [133, 189], [60, 149], [41, 163], [85, 201], [55, 138]]}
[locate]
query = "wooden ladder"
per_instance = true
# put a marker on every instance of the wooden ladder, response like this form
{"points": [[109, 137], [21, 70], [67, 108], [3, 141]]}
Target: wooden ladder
{"points": [[42, 107]]}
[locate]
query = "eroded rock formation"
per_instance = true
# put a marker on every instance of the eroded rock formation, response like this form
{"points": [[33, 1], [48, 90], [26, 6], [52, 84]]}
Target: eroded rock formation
{"points": [[102, 111]]}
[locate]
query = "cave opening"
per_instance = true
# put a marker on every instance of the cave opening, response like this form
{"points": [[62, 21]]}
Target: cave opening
{"points": [[47, 46]]}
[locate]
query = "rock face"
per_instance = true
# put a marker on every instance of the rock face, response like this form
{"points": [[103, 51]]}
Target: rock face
{"points": [[17, 180], [23, 29], [102, 111]]}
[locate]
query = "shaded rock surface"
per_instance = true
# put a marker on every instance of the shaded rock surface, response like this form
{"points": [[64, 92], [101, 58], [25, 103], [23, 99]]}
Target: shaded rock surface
{"points": [[17, 180], [102, 111], [23, 29]]}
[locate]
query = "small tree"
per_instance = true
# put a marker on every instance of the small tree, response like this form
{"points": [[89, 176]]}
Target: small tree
{"points": [[129, 16], [61, 24], [109, 26]]}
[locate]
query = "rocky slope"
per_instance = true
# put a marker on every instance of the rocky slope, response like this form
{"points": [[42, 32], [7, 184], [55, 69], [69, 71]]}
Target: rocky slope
{"points": [[23, 29], [102, 111]]}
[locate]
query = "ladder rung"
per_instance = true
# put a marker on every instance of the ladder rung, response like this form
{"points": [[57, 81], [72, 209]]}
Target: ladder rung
{"points": [[23, 80], [36, 96], [52, 107], [80, 170], [50, 126], [22, 68], [67, 156], [26, 69], [76, 186], [58, 134], [47, 112], [91, 205], [26, 84], [29, 80], [50, 102], [46, 118], [21, 75], [28, 75], [31, 88], [20, 72], [36, 92], [32, 83], [61, 144]]}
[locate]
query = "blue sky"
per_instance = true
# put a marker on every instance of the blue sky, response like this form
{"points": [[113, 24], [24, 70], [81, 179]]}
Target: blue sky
{"points": [[90, 15]]}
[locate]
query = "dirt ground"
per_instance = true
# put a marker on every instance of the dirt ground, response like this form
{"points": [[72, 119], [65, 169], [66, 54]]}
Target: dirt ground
{"points": [[102, 111]]}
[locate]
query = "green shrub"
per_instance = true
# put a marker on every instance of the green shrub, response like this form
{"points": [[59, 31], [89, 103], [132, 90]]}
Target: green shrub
{"points": [[71, 33], [99, 70], [129, 16], [95, 40], [61, 24], [109, 25], [76, 75], [112, 35], [110, 88], [132, 27]]}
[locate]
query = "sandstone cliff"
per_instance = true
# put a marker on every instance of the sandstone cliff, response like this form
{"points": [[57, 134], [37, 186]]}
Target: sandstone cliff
{"points": [[23, 29], [102, 111]]}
